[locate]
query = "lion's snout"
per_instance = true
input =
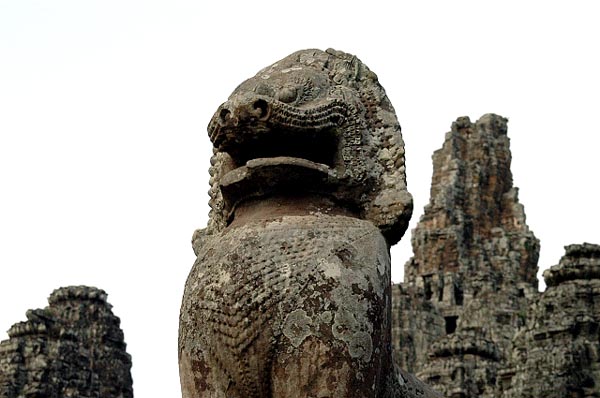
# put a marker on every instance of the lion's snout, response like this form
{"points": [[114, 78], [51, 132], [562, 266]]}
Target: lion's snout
{"points": [[245, 110]]}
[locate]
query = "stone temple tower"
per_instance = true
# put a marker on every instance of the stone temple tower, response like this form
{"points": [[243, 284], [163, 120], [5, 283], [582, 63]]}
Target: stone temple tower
{"points": [[557, 353], [468, 285], [72, 348]]}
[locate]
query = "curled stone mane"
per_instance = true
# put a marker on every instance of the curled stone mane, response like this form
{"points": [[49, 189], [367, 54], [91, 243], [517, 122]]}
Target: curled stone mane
{"points": [[309, 92]]}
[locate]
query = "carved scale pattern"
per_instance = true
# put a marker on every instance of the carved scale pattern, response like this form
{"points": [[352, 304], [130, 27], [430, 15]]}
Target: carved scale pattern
{"points": [[246, 281]]}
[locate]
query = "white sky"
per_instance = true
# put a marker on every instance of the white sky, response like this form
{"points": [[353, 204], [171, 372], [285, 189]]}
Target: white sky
{"points": [[104, 152]]}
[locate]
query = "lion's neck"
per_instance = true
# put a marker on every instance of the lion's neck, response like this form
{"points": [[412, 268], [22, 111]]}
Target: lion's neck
{"points": [[275, 207]]}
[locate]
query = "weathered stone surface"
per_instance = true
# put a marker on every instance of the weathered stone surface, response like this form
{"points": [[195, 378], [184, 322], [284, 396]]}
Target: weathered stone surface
{"points": [[290, 293], [557, 353], [468, 285], [468, 319], [315, 119], [72, 348]]}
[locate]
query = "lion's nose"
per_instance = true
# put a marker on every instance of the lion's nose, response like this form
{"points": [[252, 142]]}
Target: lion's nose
{"points": [[225, 116], [246, 110], [261, 109]]}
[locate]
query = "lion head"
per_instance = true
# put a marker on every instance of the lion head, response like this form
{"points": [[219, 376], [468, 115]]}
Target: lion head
{"points": [[315, 122]]}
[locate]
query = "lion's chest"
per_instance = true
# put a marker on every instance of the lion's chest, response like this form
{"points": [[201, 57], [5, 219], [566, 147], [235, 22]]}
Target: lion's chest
{"points": [[268, 286], [247, 279]]}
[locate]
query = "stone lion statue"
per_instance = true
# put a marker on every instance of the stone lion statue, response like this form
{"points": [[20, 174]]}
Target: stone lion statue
{"points": [[290, 292]]}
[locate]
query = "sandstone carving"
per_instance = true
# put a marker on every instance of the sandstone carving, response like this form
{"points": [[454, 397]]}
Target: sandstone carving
{"points": [[72, 348], [290, 293]]}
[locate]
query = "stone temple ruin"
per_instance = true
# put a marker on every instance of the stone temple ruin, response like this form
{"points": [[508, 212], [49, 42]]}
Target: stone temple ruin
{"points": [[469, 319], [290, 295], [72, 348]]}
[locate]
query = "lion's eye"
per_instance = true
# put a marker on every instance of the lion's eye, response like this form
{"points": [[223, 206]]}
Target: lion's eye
{"points": [[287, 94]]}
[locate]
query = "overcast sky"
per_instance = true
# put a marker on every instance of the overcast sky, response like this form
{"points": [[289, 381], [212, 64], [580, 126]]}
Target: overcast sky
{"points": [[104, 152]]}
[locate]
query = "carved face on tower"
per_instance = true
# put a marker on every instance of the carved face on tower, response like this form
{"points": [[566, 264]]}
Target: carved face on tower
{"points": [[313, 123]]}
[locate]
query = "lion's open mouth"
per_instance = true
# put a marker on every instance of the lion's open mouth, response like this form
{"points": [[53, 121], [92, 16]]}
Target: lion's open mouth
{"points": [[319, 147], [281, 162], [279, 150]]}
